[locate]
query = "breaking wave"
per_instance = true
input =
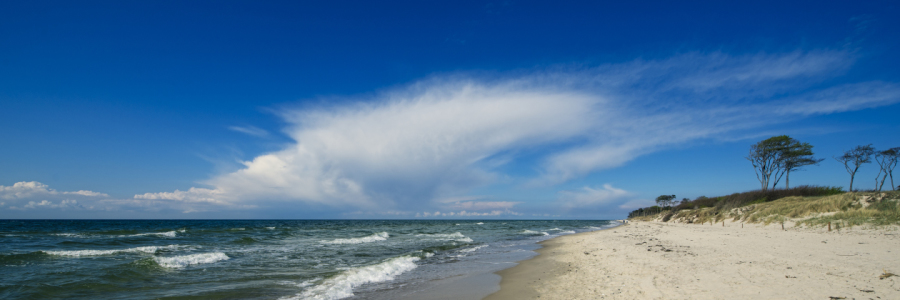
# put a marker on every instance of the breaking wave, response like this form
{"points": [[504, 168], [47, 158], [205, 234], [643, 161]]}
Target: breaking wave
{"points": [[456, 236], [381, 236], [79, 253], [532, 232], [341, 286], [182, 261]]}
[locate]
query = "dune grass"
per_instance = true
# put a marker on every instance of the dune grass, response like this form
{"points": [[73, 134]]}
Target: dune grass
{"points": [[844, 209]]}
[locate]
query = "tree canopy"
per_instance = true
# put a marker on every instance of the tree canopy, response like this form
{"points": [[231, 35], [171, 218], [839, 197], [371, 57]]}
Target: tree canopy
{"points": [[854, 158], [777, 156]]}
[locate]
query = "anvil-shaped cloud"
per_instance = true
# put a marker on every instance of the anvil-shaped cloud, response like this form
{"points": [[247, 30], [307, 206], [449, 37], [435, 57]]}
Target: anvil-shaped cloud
{"points": [[408, 148]]}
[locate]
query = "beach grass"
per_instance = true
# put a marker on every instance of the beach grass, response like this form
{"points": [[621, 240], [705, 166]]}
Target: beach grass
{"points": [[843, 209]]}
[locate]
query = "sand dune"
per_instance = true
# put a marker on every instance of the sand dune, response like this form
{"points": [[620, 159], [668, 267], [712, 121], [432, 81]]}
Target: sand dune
{"points": [[648, 260]]}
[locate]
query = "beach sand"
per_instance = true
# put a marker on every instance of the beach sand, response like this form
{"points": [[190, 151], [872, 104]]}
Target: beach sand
{"points": [[649, 260]]}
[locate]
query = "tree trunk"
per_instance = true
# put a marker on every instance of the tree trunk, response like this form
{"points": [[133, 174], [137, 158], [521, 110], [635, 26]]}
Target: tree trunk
{"points": [[851, 180], [893, 188], [787, 180]]}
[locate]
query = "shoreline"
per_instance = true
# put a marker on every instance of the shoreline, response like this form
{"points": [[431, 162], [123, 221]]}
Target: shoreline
{"points": [[517, 282], [651, 260]]}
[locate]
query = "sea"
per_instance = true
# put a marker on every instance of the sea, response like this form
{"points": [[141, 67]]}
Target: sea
{"points": [[266, 259]]}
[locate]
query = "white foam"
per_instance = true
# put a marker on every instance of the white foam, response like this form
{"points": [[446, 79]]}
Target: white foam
{"points": [[192, 259], [557, 229], [78, 253], [532, 232], [567, 232], [473, 249], [341, 286], [480, 223], [381, 236], [238, 229], [270, 228], [69, 234], [456, 236], [170, 234]]}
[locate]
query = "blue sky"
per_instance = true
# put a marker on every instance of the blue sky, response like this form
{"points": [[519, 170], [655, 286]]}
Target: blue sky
{"points": [[420, 109]]}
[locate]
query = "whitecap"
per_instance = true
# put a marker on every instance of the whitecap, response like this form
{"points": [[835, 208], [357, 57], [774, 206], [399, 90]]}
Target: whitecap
{"points": [[381, 236], [192, 259], [480, 223], [567, 232], [473, 249], [270, 228], [456, 236], [69, 234], [341, 286], [79, 253], [532, 232], [170, 234]]}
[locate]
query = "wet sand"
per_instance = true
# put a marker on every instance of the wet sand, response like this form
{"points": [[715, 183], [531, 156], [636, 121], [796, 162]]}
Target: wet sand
{"points": [[648, 260]]}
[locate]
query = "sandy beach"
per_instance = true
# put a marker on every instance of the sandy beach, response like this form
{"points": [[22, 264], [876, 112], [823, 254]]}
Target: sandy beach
{"points": [[649, 260]]}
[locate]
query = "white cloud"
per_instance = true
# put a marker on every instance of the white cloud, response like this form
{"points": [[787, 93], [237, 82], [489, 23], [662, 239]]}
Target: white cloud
{"points": [[38, 197], [30, 189], [250, 130], [408, 148], [493, 213], [191, 195], [589, 197]]}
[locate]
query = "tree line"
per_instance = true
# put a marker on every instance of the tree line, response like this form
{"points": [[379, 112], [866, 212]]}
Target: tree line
{"points": [[776, 157], [773, 160]]}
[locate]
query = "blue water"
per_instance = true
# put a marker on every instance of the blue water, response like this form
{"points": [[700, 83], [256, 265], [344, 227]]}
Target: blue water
{"points": [[252, 259]]}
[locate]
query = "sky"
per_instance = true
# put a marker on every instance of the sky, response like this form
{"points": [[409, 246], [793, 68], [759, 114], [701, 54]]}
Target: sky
{"points": [[427, 109]]}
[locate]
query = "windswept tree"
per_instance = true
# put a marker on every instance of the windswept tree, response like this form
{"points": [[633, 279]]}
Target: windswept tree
{"points": [[795, 156], [766, 157], [854, 158], [887, 161], [665, 200]]}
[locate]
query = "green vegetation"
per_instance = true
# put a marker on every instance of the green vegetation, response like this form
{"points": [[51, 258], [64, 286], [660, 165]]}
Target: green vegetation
{"points": [[775, 158], [813, 206]]}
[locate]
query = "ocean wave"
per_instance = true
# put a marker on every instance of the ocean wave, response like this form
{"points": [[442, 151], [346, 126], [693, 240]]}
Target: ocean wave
{"points": [[473, 249], [480, 223], [381, 236], [79, 253], [67, 234], [556, 229], [170, 234], [532, 232], [270, 228], [456, 236], [567, 232], [182, 261], [341, 286]]}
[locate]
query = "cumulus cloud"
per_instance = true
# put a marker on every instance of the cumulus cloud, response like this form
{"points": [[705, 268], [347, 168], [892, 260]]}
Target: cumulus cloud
{"points": [[408, 148], [34, 199], [35, 195]]}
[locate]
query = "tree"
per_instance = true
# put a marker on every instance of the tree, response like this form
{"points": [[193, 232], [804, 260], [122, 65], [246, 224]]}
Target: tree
{"points": [[767, 159], [852, 159], [665, 200], [887, 160], [794, 156]]}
